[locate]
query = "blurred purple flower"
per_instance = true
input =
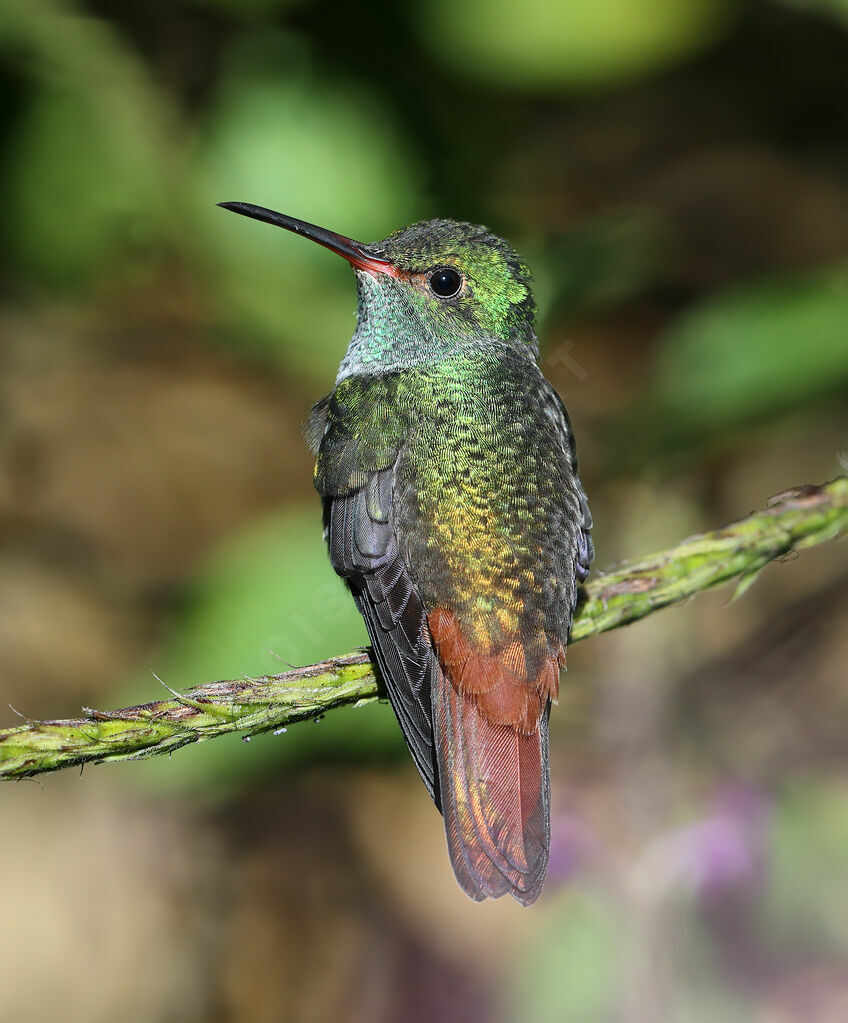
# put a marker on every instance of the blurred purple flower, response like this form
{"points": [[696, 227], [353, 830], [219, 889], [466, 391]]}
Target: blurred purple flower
{"points": [[724, 853], [573, 846]]}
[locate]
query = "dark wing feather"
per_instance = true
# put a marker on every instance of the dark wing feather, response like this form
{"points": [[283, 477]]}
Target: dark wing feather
{"points": [[558, 414], [364, 550]]}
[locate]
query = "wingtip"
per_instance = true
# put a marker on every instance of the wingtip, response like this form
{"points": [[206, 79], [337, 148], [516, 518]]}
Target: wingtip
{"points": [[527, 898]]}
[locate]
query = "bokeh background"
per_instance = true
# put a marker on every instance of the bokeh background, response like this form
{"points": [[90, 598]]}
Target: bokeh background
{"points": [[676, 172]]}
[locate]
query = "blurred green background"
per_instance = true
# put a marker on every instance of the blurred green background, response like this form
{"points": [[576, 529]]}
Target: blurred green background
{"points": [[676, 172]]}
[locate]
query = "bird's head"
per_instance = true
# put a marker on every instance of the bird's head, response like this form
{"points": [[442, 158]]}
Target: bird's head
{"points": [[441, 278]]}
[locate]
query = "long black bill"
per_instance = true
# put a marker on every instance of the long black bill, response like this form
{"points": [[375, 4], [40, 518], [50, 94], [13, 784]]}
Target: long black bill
{"points": [[355, 253]]}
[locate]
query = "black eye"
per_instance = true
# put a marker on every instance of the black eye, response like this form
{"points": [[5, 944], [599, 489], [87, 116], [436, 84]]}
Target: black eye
{"points": [[445, 282]]}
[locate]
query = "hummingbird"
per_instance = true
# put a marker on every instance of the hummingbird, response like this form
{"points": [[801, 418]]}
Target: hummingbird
{"points": [[453, 509]]}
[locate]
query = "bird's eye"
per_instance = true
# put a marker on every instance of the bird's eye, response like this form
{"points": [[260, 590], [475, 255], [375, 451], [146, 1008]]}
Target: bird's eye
{"points": [[445, 282]]}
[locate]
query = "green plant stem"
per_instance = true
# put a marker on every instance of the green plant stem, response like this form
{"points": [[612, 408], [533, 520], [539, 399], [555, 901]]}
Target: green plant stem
{"points": [[798, 518]]}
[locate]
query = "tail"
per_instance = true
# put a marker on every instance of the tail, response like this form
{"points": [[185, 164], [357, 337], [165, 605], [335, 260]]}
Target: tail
{"points": [[495, 795]]}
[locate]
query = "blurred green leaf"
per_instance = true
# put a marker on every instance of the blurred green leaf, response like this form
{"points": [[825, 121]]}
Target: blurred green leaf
{"points": [[806, 901], [267, 594], [572, 969], [595, 265], [95, 152], [757, 350], [80, 199], [703, 993], [575, 44], [321, 150]]}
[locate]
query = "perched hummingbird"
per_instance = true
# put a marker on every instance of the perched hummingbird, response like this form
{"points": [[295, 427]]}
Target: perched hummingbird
{"points": [[453, 509]]}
